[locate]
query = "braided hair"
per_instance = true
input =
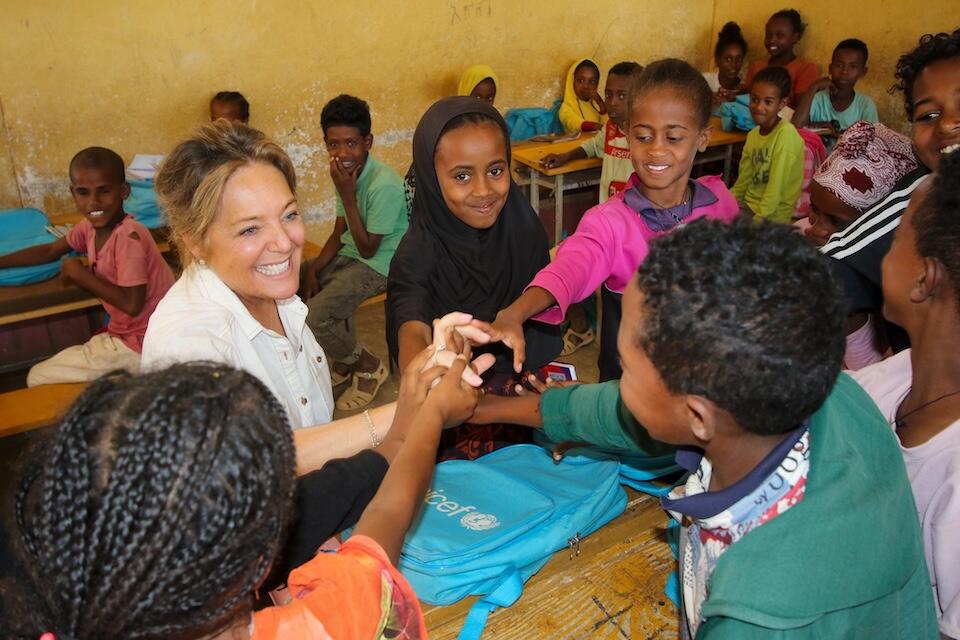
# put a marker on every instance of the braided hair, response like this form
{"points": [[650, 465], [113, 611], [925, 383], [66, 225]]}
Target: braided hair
{"points": [[158, 507]]}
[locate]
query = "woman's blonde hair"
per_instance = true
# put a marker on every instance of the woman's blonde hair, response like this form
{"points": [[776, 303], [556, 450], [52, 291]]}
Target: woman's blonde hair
{"points": [[191, 180]]}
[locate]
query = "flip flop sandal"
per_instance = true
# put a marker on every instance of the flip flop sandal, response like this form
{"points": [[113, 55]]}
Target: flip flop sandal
{"points": [[354, 398], [574, 341]]}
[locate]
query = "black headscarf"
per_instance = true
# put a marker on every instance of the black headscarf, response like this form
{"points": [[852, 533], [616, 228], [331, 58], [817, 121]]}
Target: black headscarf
{"points": [[444, 265]]}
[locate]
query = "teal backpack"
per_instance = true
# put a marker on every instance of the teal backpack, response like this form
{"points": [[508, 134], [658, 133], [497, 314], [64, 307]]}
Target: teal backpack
{"points": [[487, 525], [525, 122]]}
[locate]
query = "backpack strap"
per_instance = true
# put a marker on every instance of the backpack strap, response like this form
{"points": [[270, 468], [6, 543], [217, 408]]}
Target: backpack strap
{"points": [[507, 591]]}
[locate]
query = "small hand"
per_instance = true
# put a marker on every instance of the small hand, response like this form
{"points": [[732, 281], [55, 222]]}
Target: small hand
{"points": [[552, 160], [309, 285], [560, 449], [540, 386], [345, 181], [825, 83], [451, 333], [453, 399], [509, 331], [70, 268]]}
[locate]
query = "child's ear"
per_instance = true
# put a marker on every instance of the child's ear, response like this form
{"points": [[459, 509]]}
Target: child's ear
{"points": [[704, 138], [929, 281], [368, 142], [701, 417], [125, 190]]}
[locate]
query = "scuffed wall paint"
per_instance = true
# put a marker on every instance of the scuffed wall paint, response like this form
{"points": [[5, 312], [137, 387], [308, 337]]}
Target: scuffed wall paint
{"points": [[889, 29], [136, 77]]}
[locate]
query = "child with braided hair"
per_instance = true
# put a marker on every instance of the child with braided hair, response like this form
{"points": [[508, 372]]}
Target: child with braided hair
{"points": [[162, 501]]}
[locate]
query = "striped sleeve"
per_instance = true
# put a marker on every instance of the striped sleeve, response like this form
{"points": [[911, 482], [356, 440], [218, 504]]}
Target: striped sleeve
{"points": [[858, 250]]}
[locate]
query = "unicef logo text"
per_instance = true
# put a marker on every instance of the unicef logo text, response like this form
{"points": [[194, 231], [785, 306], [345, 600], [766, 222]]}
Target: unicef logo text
{"points": [[470, 520]]}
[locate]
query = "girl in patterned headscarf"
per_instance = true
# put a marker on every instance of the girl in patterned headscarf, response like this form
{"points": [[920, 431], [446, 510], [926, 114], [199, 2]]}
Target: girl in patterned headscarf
{"points": [[865, 164]]}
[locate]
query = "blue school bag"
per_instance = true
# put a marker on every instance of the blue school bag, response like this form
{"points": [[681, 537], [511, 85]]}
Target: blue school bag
{"points": [[526, 122], [142, 204], [488, 525], [637, 470], [19, 229]]}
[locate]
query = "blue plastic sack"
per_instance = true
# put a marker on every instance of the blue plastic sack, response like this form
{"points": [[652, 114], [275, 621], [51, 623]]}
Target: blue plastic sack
{"points": [[19, 229]]}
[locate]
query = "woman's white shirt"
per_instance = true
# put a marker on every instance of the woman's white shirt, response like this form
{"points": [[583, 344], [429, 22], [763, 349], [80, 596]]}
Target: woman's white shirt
{"points": [[201, 318]]}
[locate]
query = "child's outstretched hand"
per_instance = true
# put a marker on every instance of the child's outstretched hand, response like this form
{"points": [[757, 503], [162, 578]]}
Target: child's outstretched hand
{"points": [[540, 386], [453, 400], [509, 330], [451, 333]]}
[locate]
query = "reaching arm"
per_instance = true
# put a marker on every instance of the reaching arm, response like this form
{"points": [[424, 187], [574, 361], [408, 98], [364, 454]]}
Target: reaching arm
{"points": [[509, 322], [342, 438], [40, 254], [391, 511]]}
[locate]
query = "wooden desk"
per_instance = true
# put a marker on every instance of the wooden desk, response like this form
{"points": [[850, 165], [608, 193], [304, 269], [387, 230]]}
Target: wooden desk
{"points": [[613, 589], [26, 409], [530, 154]]}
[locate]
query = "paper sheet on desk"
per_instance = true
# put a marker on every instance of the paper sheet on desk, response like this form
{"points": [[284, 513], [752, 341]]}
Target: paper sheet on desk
{"points": [[144, 166]]}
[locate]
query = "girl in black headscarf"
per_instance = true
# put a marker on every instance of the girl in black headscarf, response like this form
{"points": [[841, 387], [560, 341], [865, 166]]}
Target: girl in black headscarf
{"points": [[473, 245]]}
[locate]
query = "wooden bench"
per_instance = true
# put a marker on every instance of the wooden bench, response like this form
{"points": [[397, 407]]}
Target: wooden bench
{"points": [[36, 407], [613, 589]]}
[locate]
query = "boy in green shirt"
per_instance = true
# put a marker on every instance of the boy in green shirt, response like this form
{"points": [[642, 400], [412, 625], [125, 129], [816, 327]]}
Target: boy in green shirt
{"points": [[353, 264], [798, 520], [771, 168]]}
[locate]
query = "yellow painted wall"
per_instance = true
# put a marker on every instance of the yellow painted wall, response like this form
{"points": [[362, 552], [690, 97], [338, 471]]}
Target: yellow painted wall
{"points": [[889, 27], [137, 76]]}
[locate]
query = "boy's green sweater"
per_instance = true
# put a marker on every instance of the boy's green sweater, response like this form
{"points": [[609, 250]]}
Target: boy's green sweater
{"points": [[845, 562]]}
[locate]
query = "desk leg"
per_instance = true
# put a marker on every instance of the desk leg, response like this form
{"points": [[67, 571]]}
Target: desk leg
{"points": [[535, 191], [558, 209]]}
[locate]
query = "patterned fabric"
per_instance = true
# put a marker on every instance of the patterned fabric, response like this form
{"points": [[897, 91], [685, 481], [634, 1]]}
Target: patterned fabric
{"points": [[470, 441], [705, 539], [866, 162]]}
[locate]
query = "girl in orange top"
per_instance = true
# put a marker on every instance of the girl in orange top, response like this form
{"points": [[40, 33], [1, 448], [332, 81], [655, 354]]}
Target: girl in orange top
{"points": [[161, 502], [783, 31]]}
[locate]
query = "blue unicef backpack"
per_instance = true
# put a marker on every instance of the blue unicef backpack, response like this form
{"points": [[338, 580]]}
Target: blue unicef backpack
{"points": [[488, 525], [19, 229]]}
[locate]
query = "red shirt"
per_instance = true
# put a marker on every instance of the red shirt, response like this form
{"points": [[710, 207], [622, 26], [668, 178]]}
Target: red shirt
{"points": [[128, 258]]}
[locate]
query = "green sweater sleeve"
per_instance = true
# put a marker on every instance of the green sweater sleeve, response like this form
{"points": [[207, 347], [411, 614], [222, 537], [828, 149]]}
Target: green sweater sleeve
{"points": [[596, 414]]}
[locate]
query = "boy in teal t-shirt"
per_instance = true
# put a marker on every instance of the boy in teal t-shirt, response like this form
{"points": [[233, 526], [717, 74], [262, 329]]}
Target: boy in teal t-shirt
{"points": [[832, 101], [797, 518], [355, 260], [771, 168]]}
